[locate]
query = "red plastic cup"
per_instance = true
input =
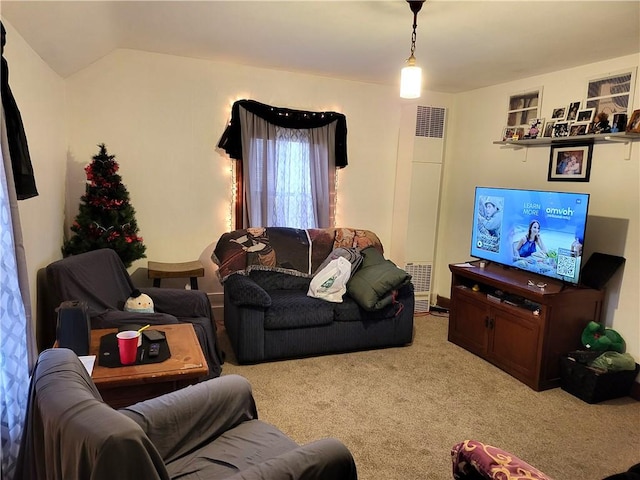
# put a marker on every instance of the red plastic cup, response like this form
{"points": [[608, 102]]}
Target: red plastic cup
{"points": [[128, 346]]}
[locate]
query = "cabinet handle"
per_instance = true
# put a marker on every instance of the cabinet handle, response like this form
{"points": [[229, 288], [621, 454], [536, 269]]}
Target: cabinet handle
{"points": [[486, 322], [491, 323]]}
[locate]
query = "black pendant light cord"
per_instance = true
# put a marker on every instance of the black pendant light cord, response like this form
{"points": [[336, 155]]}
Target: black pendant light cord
{"points": [[415, 8]]}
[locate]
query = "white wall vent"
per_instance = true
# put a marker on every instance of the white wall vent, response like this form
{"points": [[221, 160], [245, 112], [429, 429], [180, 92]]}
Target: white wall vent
{"points": [[430, 122], [421, 305], [419, 166], [421, 278]]}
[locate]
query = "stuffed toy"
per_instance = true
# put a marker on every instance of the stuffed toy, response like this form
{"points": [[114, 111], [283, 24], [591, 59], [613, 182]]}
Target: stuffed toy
{"points": [[139, 302], [596, 337]]}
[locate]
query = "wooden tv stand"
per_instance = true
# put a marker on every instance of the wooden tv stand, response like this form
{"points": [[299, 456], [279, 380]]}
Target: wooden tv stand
{"points": [[522, 342]]}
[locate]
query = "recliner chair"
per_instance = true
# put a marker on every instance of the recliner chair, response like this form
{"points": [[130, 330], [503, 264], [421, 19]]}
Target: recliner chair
{"points": [[100, 279], [202, 432]]}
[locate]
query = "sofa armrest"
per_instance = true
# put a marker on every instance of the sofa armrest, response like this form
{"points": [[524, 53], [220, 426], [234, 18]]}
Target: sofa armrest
{"points": [[181, 421], [179, 302], [326, 459], [243, 291]]}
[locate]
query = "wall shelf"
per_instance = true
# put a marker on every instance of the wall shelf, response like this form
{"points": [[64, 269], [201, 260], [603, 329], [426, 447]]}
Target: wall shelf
{"points": [[619, 137]]}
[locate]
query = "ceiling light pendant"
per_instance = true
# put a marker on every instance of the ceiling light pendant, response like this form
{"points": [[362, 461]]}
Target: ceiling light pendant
{"points": [[411, 75]]}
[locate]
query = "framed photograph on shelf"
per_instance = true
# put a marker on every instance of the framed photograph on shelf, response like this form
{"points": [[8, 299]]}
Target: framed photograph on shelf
{"points": [[570, 163], [634, 122], [586, 115], [559, 113], [619, 123], [578, 128], [572, 111], [548, 129], [508, 133], [519, 133], [561, 129]]}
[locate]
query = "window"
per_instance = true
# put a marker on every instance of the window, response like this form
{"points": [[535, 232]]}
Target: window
{"points": [[523, 108], [287, 195], [611, 94], [285, 168]]}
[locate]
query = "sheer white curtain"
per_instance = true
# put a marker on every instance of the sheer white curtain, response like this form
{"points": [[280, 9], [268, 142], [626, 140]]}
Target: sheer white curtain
{"points": [[289, 174], [15, 331]]}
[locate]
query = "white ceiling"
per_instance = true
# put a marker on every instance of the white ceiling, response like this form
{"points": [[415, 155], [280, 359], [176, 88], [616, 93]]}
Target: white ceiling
{"points": [[460, 45]]}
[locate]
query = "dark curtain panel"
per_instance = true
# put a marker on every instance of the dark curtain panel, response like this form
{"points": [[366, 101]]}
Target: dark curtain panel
{"points": [[23, 177], [231, 140]]}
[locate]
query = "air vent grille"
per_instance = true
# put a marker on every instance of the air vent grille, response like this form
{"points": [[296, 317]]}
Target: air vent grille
{"points": [[430, 122], [420, 276], [421, 305]]}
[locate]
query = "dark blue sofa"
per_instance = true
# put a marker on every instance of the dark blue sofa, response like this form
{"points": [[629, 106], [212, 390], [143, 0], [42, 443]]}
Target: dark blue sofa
{"points": [[268, 315]]}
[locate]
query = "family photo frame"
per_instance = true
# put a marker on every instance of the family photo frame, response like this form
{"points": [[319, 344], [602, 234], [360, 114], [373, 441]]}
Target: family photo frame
{"points": [[570, 163], [572, 111], [559, 113], [634, 122], [548, 129], [586, 115], [560, 129], [578, 128]]}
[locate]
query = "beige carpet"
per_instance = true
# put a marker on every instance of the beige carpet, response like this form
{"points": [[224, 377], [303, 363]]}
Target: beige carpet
{"points": [[400, 410]]}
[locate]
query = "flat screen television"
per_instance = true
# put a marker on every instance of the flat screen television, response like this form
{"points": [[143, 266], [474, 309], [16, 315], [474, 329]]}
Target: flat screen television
{"points": [[533, 230]]}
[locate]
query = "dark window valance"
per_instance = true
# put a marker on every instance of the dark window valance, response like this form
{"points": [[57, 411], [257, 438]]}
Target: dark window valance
{"points": [[231, 140]]}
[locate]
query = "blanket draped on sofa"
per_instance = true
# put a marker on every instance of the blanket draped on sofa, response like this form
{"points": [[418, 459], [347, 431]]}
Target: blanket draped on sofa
{"points": [[287, 250]]}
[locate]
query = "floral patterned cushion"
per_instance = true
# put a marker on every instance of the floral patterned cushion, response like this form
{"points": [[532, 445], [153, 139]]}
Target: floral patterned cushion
{"points": [[473, 460]]}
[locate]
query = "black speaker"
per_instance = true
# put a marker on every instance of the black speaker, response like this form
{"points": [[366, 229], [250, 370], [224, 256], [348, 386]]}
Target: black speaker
{"points": [[74, 327], [599, 269]]}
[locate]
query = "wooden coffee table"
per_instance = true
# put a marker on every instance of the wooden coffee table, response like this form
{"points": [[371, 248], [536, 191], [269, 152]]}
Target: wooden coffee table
{"points": [[124, 386]]}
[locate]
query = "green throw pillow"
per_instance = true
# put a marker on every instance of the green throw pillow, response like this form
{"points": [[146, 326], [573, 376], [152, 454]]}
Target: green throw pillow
{"points": [[373, 283]]}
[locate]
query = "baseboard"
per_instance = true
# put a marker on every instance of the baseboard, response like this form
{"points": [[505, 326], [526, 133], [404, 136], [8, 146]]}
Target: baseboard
{"points": [[216, 298], [443, 302], [217, 306]]}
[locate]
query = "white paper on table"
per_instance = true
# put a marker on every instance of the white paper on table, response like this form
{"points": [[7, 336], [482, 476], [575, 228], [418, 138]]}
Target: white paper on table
{"points": [[465, 264], [88, 362]]}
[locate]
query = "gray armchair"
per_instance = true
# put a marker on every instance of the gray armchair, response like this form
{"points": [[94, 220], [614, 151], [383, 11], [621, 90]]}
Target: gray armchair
{"points": [[206, 431], [100, 279]]}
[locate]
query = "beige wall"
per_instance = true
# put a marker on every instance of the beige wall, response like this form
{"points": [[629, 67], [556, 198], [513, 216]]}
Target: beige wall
{"points": [[162, 117], [40, 95], [472, 159]]}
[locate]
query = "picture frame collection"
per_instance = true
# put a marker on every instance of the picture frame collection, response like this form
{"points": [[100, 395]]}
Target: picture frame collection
{"points": [[570, 161], [572, 121], [568, 121]]}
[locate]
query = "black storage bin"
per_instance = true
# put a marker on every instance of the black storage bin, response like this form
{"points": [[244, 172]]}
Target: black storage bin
{"points": [[593, 386]]}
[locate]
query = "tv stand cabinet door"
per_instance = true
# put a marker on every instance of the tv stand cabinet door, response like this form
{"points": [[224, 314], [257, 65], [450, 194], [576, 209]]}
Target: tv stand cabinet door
{"points": [[468, 322], [515, 344]]}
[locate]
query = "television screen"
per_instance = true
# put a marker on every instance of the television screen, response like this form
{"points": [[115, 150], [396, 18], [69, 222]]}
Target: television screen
{"points": [[537, 231]]}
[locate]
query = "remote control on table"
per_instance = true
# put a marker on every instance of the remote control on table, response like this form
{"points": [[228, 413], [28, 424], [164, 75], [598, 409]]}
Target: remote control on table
{"points": [[154, 350]]}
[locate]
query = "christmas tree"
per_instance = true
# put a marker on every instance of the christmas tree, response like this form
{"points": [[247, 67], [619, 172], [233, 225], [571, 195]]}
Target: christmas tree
{"points": [[106, 219]]}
